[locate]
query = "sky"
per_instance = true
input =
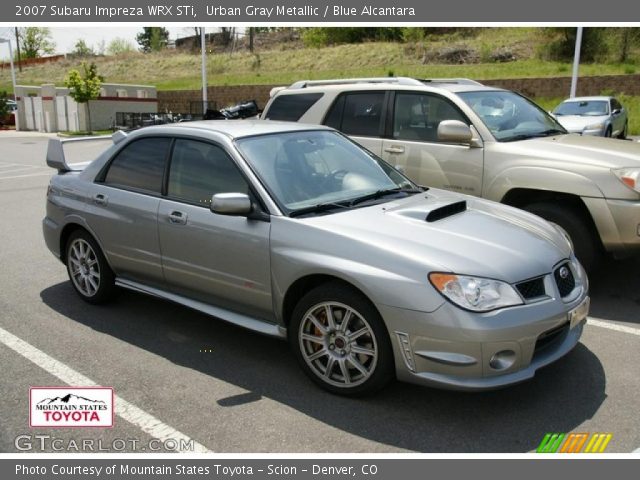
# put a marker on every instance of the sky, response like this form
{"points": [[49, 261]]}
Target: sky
{"points": [[66, 37]]}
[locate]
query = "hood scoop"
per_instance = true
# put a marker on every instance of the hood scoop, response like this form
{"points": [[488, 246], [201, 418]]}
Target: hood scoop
{"points": [[446, 211]]}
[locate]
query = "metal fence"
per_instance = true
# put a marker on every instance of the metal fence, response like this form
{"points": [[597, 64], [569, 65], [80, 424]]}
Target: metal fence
{"points": [[131, 120]]}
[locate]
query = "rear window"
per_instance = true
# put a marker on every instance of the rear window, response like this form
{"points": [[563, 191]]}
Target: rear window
{"points": [[290, 108], [140, 165]]}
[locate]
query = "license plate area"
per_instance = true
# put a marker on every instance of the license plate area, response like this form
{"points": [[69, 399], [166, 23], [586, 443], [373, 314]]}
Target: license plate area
{"points": [[579, 313]]}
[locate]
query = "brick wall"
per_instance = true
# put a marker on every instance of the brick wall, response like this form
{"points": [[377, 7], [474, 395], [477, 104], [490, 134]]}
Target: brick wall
{"points": [[179, 100]]}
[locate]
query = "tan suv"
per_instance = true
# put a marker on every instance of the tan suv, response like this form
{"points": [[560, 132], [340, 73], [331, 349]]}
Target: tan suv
{"points": [[460, 135]]}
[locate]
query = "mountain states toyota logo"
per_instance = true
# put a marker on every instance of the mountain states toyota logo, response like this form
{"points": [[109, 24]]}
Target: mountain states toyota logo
{"points": [[71, 407]]}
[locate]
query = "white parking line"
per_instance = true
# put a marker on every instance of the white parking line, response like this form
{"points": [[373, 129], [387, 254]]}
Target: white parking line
{"points": [[18, 169], [24, 176], [597, 322], [128, 411]]}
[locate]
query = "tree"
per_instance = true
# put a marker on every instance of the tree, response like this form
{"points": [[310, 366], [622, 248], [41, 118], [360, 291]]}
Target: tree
{"points": [[152, 39], [36, 42], [118, 46], [84, 87], [628, 37], [560, 43], [81, 49]]}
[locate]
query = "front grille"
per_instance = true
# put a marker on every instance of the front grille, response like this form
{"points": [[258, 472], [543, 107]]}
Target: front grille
{"points": [[564, 279], [550, 337], [532, 288]]}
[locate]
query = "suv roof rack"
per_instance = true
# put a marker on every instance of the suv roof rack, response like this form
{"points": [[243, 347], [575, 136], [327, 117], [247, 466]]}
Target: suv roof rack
{"points": [[397, 80], [457, 81], [345, 81]]}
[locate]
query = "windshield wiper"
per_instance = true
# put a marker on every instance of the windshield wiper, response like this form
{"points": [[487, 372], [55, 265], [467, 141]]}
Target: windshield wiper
{"points": [[381, 193], [319, 208], [527, 136]]}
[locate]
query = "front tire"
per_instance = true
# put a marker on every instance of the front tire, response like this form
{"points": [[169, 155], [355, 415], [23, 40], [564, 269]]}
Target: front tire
{"points": [[608, 132], [340, 341], [585, 243], [89, 272], [625, 131]]}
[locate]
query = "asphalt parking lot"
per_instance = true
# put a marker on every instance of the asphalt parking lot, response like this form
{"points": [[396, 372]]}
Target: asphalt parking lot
{"points": [[246, 394]]}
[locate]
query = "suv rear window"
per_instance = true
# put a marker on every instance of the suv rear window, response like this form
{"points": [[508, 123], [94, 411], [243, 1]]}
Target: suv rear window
{"points": [[357, 113], [290, 108]]}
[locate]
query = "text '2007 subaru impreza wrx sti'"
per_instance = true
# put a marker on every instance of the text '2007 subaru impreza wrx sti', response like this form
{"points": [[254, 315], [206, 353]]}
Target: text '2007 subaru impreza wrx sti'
{"points": [[297, 232]]}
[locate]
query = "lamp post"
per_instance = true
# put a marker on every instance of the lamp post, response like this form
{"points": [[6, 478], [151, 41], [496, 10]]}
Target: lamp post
{"points": [[576, 63], [205, 103], [13, 72]]}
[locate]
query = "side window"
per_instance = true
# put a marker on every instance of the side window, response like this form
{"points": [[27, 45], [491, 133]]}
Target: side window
{"points": [[615, 105], [334, 117], [362, 113], [417, 116], [199, 170], [291, 107], [140, 165]]}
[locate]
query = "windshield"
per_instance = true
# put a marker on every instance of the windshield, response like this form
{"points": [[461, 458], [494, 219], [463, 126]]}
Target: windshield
{"points": [[309, 168], [510, 116], [592, 108]]}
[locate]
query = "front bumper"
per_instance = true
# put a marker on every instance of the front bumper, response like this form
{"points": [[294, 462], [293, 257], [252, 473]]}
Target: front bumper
{"points": [[454, 349]]}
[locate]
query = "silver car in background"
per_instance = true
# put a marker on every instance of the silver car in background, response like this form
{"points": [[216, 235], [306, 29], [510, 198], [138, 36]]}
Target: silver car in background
{"points": [[598, 116], [297, 232]]}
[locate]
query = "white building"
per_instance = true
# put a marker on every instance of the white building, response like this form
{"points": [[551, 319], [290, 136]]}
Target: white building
{"points": [[50, 109]]}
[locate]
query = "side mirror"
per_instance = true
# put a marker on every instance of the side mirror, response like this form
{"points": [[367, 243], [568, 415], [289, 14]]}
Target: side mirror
{"points": [[617, 111], [454, 131], [235, 204]]}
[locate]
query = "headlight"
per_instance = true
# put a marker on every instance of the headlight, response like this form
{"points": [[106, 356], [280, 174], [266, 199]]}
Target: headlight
{"points": [[475, 293], [630, 177], [595, 126]]}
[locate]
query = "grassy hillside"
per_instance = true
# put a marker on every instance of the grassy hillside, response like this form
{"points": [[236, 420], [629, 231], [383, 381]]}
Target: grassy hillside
{"points": [[288, 62]]}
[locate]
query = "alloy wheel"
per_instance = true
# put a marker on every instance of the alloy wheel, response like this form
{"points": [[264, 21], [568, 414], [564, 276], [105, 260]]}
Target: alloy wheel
{"points": [[338, 344]]}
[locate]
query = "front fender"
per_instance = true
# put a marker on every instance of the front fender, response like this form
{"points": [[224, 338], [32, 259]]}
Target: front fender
{"points": [[541, 178]]}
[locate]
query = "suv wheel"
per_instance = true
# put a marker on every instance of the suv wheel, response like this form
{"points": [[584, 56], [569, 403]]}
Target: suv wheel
{"points": [[88, 269], [340, 341], [586, 245]]}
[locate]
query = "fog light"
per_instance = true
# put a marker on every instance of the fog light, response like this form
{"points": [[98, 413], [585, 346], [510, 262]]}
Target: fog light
{"points": [[502, 360]]}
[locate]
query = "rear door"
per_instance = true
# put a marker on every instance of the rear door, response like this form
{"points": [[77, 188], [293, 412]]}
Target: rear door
{"points": [[412, 143], [360, 115], [217, 259], [123, 209]]}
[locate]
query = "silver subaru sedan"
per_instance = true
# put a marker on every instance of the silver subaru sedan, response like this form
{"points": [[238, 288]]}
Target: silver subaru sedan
{"points": [[295, 231]]}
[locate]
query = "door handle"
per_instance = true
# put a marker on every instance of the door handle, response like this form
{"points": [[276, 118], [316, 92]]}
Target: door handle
{"points": [[178, 218], [395, 149], [100, 199]]}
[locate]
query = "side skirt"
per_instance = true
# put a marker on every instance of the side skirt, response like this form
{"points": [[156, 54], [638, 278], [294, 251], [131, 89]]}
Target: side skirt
{"points": [[226, 315]]}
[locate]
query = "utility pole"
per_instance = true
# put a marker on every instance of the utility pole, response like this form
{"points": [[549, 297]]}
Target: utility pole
{"points": [[18, 49], [251, 39]]}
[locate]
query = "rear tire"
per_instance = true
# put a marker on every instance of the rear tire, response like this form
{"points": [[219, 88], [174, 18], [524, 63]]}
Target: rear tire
{"points": [[585, 243], [89, 272], [340, 341]]}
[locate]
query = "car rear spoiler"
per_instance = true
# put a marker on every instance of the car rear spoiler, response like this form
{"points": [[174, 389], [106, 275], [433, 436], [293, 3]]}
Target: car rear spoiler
{"points": [[55, 151]]}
